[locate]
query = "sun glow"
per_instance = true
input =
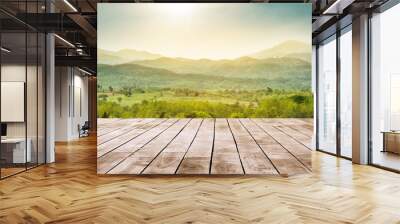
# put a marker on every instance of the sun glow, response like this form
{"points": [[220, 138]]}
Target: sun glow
{"points": [[178, 10]]}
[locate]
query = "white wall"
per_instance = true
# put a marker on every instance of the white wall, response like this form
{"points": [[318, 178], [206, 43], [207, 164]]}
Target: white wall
{"points": [[33, 126], [71, 102]]}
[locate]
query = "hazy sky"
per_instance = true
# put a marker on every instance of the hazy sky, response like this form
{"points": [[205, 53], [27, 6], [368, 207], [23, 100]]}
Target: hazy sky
{"points": [[199, 30]]}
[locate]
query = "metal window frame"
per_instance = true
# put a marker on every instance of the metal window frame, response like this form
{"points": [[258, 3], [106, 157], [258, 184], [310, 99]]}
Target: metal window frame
{"points": [[381, 9], [339, 32], [44, 74]]}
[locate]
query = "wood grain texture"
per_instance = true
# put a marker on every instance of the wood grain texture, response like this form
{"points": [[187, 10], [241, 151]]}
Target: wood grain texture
{"points": [[254, 160], [120, 129], [286, 163], [70, 191], [130, 134], [197, 160], [137, 162], [204, 146], [225, 159], [108, 161], [292, 146], [169, 159]]}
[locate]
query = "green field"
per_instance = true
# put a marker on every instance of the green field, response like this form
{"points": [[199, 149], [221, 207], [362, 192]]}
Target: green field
{"points": [[273, 84], [189, 103]]}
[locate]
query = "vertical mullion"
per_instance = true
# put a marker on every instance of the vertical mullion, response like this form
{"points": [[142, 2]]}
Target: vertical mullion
{"points": [[0, 95], [369, 79], [45, 88], [26, 86], [37, 90], [338, 81], [317, 97]]}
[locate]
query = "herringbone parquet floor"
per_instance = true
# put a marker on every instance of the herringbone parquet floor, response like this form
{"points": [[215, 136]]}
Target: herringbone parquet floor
{"points": [[70, 191]]}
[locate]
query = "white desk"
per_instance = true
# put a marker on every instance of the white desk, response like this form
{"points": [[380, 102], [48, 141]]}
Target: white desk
{"points": [[19, 155]]}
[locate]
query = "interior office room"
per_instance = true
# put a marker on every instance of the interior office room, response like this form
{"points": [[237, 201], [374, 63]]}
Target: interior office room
{"points": [[50, 131], [23, 100]]}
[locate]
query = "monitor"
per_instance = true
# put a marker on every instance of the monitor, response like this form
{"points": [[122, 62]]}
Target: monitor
{"points": [[3, 129]]}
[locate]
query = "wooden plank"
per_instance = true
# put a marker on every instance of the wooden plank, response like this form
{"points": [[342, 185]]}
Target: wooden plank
{"points": [[303, 129], [168, 160], [104, 131], [298, 136], [129, 126], [138, 161], [126, 137], [225, 158], [108, 161], [253, 158], [197, 159], [298, 124], [285, 162], [302, 153], [113, 158], [104, 121], [112, 125]]}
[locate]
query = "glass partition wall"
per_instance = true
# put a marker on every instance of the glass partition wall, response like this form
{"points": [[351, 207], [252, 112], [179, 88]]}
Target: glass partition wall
{"points": [[327, 95], [22, 66], [334, 105], [385, 89], [345, 61]]}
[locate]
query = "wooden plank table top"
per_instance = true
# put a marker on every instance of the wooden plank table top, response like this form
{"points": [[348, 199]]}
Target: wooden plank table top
{"points": [[205, 146]]}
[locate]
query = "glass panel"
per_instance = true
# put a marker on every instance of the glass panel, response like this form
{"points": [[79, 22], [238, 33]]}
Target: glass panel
{"points": [[13, 87], [31, 99], [385, 84], [41, 99], [346, 94], [327, 96], [32, 88], [23, 90]]}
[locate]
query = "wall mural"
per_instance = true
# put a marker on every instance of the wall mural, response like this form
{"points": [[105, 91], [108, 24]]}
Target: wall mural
{"points": [[195, 88]]}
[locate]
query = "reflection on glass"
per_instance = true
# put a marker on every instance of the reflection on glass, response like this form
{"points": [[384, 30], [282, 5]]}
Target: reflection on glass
{"points": [[22, 92], [31, 101], [41, 99], [346, 94], [13, 85], [327, 96], [385, 114]]}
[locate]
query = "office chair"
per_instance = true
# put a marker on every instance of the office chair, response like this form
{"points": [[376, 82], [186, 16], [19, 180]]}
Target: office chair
{"points": [[84, 130]]}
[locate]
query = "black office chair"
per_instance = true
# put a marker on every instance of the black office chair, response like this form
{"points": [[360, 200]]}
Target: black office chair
{"points": [[84, 130]]}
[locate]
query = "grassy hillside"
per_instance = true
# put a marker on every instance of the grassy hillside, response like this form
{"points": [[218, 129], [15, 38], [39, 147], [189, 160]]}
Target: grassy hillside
{"points": [[137, 76], [271, 83], [244, 67]]}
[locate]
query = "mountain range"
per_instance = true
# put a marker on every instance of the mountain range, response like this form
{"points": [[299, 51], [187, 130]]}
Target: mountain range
{"points": [[291, 48], [124, 56], [285, 66]]}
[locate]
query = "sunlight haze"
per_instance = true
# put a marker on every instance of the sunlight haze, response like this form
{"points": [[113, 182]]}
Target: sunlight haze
{"points": [[193, 30]]}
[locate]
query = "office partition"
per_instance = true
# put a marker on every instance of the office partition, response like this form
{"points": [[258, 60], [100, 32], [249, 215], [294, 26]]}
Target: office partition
{"points": [[22, 77]]}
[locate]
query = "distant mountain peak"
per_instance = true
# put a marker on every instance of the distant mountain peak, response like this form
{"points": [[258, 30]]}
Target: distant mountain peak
{"points": [[289, 48], [124, 55]]}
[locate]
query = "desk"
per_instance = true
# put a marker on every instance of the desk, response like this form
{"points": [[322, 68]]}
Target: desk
{"points": [[391, 141], [13, 150]]}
